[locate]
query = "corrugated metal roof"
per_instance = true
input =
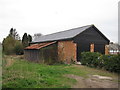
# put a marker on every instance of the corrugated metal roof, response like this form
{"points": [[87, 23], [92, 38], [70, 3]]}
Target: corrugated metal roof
{"points": [[62, 35], [38, 46]]}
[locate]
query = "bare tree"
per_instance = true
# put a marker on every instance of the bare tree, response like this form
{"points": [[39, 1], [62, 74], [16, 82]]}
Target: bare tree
{"points": [[36, 36]]}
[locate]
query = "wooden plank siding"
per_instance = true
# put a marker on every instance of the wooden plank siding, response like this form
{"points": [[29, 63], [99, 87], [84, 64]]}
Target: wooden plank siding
{"points": [[46, 54], [49, 54], [88, 37], [31, 55]]}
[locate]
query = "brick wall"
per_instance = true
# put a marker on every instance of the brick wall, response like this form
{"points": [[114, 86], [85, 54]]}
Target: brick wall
{"points": [[92, 48], [67, 51], [106, 50]]}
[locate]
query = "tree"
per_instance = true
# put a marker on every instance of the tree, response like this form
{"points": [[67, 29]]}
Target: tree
{"points": [[36, 36], [12, 43], [13, 33], [18, 48], [8, 45], [3, 44], [25, 40], [29, 38]]}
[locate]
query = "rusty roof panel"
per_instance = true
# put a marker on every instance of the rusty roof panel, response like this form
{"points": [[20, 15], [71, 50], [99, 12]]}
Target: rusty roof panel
{"points": [[41, 45]]}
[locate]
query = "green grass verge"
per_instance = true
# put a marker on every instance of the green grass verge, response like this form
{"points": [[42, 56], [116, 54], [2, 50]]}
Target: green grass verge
{"points": [[24, 74]]}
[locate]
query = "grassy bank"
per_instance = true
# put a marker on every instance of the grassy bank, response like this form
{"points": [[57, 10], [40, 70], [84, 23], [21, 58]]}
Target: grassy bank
{"points": [[18, 73]]}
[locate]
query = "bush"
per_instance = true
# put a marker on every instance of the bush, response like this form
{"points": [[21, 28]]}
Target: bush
{"points": [[90, 59], [12, 46], [18, 48], [108, 62], [111, 62], [8, 45]]}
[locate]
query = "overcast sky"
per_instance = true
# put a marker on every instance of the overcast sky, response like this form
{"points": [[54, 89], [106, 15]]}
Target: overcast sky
{"points": [[49, 16]]}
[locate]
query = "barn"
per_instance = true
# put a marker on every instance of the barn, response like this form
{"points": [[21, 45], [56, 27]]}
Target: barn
{"points": [[66, 46]]}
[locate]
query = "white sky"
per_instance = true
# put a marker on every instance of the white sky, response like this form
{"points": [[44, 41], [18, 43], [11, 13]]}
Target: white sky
{"points": [[49, 16]]}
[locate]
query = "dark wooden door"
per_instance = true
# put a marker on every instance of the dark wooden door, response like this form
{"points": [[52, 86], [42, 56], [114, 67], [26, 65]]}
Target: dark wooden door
{"points": [[99, 48], [82, 48]]}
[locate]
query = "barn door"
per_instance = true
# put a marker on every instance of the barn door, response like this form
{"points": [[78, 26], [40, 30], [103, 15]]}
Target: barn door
{"points": [[82, 48], [99, 48]]}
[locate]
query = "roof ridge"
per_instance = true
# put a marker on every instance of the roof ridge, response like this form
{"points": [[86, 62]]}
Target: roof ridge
{"points": [[67, 30], [70, 33]]}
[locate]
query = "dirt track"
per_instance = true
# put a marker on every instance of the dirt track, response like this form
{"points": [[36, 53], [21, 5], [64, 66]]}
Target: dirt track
{"points": [[9, 62], [92, 82]]}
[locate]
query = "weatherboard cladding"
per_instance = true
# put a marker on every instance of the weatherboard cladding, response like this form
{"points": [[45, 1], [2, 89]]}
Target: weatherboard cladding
{"points": [[42, 53], [62, 35]]}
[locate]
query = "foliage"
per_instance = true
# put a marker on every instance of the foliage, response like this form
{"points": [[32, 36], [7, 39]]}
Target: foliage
{"points": [[90, 59], [13, 33], [29, 38], [26, 39], [112, 63], [108, 62], [8, 45], [18, 48], [3, 45], [12, 46], [12, 43]]}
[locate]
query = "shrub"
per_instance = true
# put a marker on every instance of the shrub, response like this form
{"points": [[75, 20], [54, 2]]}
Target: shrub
{"points": [[90, 59], [111, 62], [18, 48], [8, 45], [108, 62], [12, 46]]}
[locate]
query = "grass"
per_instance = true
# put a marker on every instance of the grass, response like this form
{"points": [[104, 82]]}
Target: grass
{"points": [[23, 74]]}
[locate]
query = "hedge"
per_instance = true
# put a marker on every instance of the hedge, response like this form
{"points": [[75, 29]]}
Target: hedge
{"points": [[97, 60]]}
